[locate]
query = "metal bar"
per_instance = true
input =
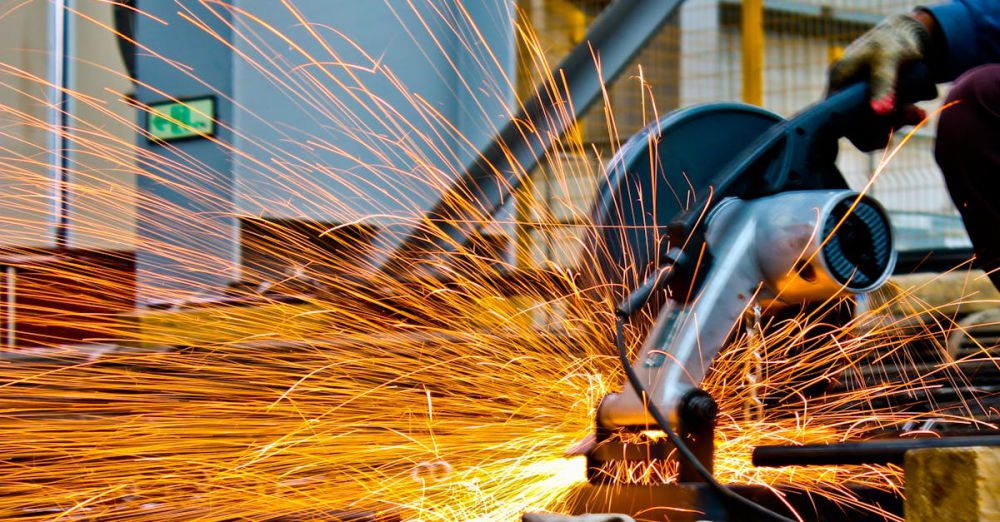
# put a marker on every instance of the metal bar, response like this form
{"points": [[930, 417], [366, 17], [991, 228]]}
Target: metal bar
{"points": [[59, 78], [752, 39], [615, 37], [868, 452]]}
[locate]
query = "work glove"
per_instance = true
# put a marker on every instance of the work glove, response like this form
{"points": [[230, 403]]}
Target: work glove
{"points": [[877, 56], [532, 517]]}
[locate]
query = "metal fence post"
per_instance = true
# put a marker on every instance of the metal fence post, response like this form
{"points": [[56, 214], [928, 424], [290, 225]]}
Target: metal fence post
{"points": [[752, 35]]}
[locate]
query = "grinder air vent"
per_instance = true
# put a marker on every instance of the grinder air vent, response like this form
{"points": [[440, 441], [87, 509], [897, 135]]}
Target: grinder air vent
{"points": [[859, 251]]}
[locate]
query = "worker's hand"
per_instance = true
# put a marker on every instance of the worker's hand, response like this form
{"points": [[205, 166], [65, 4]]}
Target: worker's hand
{"points": [[532, 517], [878, 55]]}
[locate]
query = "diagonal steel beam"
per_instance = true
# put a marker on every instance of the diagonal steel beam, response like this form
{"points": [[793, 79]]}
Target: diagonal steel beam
{"points": [[615, 37]]}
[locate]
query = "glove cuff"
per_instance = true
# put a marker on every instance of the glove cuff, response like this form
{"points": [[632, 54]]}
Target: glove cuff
{"points": [[912, 27]]}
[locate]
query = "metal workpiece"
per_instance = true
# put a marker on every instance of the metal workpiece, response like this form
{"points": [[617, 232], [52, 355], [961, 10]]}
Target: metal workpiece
{"points": [[794, 248], [889, 451]]}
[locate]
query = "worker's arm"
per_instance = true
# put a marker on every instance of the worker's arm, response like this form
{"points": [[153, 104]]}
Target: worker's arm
{"points": [[968, 35]]}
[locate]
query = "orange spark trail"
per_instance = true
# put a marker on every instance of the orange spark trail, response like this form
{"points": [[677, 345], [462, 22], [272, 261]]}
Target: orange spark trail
{"points": [[339, 392]]}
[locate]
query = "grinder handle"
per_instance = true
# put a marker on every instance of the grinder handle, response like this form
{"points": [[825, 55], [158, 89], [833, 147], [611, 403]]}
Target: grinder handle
{"points": [[849, 107], [805, 147]]}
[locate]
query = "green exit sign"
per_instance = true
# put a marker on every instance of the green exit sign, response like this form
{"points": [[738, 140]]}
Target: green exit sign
{"points": [[183, 119]]}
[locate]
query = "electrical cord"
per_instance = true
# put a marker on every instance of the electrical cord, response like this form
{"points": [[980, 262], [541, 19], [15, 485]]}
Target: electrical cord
{"points": [[622, 313]]}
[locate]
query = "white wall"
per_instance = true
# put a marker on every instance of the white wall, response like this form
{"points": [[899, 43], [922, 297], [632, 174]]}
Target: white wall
{"points": [[395, 104], [102, 196]]}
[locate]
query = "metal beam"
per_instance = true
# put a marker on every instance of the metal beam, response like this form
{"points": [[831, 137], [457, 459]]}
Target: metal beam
{"points": [[60, 106], [614, 38]]}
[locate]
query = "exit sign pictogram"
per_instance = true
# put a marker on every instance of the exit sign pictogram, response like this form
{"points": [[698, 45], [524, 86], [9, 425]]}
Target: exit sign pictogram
{"points": [[183, 119]]}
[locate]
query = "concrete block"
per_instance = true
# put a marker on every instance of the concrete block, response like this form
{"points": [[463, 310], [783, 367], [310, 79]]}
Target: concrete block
{"points": [[953, 485]]}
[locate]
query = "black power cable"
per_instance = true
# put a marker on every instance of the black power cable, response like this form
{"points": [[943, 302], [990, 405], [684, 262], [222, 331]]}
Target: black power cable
{"points": [[626, 309]]}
